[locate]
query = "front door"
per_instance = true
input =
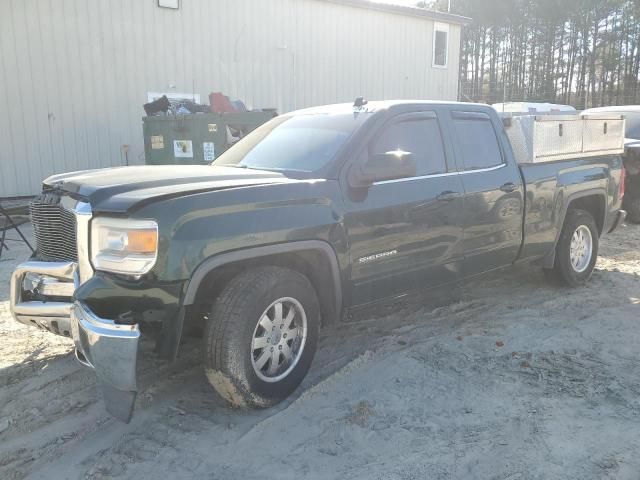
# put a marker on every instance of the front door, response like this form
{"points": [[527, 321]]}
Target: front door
{"points": [[406, 234]]}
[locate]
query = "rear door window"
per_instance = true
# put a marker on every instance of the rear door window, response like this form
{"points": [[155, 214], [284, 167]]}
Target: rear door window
{"points": [[476, 140], [419, 135]]}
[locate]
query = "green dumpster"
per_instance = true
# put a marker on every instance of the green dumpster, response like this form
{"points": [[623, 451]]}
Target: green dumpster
{"points": [[198, 138]]}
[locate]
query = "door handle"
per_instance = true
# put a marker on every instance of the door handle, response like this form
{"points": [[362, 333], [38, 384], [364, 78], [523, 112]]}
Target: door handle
{"points": [[509, 187], [447, 196]]}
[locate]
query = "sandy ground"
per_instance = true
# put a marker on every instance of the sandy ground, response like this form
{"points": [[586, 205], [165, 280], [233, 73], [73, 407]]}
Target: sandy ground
{"points": [[518, 380]]}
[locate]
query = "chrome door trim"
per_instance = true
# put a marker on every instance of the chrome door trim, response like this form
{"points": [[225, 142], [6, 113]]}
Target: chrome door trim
{"points": [[480, 170], [422, 177], [438, 175]]}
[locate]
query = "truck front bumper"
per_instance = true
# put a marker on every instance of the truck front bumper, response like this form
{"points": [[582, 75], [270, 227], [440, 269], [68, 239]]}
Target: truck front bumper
{"points": [[111, 349], [42, 296]]}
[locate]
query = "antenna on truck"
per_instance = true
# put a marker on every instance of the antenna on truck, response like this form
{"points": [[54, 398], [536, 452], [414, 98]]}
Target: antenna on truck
{"points": [[360, 102]]}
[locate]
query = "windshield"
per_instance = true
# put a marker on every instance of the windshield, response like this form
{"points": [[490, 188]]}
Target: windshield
{"points": [[295, 143]]}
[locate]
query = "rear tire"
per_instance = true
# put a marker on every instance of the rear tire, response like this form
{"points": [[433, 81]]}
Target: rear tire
{"points": [[261, 336], [576, 251]]}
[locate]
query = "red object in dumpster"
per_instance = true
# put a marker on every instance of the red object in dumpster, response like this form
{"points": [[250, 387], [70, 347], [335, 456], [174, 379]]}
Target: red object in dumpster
{"points": [[220, 103]]}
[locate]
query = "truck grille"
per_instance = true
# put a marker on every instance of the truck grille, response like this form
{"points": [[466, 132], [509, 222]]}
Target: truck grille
{"points": [[54, 228]]}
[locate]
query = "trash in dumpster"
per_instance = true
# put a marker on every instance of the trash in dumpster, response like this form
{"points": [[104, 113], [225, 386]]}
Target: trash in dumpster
{"points": [[170, 106], [157, 106], [219, 103]]}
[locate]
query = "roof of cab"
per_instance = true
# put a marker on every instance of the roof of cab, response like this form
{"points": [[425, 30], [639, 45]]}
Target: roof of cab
{"points": [[379, 105]]}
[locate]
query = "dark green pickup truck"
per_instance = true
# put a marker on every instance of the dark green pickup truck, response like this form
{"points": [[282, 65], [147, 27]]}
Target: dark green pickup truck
{"points": [[313, 213]]}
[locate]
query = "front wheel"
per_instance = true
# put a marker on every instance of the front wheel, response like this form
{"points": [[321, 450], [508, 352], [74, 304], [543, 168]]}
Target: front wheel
{"points": [[577, 249], [261, 336]]}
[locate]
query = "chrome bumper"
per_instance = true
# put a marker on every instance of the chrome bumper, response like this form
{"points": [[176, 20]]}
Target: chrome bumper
{"points": [[55, 280], [42, 296], [111, 350]]}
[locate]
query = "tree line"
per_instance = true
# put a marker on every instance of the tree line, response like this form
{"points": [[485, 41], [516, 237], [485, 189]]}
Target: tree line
{"points": [[585, 53]]}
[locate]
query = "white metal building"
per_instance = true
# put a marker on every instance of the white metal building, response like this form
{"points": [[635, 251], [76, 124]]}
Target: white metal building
{"points": [[74, 74]]}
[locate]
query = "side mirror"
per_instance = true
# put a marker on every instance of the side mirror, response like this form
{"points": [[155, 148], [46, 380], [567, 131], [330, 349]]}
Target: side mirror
{"points": [[383, 166]]}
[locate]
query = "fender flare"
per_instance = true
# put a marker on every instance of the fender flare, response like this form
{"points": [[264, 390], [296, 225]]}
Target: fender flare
{"points": [[216, 261], [549, 260]]}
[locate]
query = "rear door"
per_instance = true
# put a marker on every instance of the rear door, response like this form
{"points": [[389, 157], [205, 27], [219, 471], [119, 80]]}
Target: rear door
{"points": [[494, 194], [405, 234]]}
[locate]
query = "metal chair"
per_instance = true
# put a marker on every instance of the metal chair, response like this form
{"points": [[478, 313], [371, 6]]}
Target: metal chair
{"points": [[10, 225]]}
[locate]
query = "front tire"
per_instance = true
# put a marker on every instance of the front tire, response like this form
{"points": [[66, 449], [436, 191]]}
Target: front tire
{"points": [[576, 251], [261, 336]]}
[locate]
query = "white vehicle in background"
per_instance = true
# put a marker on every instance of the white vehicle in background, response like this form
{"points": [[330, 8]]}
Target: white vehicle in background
{"points": [[631, 156], [524, 108]]}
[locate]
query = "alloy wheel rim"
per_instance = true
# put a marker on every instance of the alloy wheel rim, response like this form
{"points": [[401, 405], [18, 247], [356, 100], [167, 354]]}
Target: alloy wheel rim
{"points": [[581, 249], [279, 339]]}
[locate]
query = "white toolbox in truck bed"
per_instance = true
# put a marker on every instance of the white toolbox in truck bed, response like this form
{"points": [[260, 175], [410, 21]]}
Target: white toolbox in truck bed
{"points": [[545, 138]]}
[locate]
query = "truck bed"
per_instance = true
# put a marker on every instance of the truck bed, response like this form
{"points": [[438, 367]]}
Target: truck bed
{"points": [[550, 186]]}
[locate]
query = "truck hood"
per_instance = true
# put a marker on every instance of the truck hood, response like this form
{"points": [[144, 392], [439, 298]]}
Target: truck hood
{"points": [[123, 189]]}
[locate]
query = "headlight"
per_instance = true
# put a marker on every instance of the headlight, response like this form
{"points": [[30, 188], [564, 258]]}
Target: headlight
{"points": [[121, 245]]}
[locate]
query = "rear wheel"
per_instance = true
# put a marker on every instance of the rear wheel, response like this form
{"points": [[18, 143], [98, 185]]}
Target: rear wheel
{"points": [[261, 336], [576, 251]]}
